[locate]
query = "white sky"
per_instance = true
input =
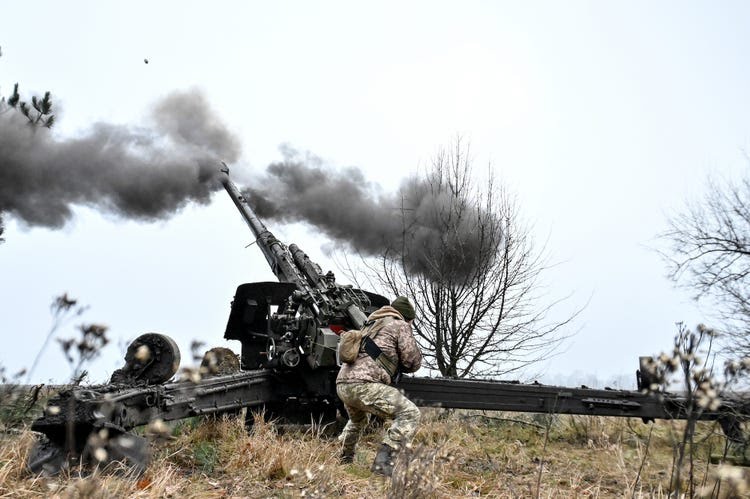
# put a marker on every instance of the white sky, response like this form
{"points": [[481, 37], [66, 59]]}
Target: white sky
{"points": [[603, 117]]}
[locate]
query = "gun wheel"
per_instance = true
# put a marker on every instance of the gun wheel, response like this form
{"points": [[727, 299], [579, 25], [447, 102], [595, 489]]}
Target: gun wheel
{"points": [[219, 361], [152, 358]]}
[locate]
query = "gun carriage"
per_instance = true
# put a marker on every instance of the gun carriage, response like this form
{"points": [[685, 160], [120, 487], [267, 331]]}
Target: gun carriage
{"points": [[289, 332]]}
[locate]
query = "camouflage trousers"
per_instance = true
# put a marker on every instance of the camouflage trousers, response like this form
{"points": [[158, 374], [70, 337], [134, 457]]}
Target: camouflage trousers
{"points": [[362, 399]]}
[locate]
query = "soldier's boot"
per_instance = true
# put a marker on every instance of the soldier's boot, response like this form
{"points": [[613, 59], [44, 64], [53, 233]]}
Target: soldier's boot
{"points": [[349, 441], [347, 456], [384, 460]]}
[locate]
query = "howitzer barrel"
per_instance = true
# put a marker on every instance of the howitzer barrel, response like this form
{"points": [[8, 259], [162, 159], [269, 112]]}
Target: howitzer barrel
{"points": [[274, 250], [311, 270], [290, 264]]}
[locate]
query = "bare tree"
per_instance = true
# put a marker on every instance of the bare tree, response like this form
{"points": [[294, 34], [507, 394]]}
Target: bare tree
{"points": [[710, 254], [467, 261]]}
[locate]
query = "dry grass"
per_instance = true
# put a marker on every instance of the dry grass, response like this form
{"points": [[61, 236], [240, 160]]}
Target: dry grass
{"points": [[457, 454]]}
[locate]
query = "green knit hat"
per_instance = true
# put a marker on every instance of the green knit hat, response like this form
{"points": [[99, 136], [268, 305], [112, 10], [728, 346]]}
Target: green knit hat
{"points": [[404, 307]]}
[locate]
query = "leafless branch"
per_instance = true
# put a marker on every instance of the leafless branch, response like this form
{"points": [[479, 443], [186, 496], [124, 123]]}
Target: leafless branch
{"points": [[479, 293]]}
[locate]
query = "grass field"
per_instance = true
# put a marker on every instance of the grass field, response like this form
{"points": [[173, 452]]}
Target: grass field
{"points": [[454, 454]]}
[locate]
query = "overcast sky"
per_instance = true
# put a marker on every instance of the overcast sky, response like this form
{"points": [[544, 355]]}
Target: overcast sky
{"points": [[602, 117]]}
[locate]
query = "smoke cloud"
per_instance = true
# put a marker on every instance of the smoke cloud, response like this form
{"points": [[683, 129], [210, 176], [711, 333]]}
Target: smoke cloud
{"points": [[431, 228], [149, 173], [140, 173]]}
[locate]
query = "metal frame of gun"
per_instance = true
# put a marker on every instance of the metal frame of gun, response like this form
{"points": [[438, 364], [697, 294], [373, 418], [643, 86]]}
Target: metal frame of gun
{"points": [[289, 333]]}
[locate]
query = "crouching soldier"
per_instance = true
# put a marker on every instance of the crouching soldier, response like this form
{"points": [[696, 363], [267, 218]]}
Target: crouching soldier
{"points": [[364, 385]]}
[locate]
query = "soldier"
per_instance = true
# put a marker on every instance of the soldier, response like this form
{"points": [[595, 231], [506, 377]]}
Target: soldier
{"points": [[364, 386]]}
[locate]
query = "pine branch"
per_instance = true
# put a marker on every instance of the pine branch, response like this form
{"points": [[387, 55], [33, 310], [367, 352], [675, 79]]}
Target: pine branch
{"points": [[15, 97]]}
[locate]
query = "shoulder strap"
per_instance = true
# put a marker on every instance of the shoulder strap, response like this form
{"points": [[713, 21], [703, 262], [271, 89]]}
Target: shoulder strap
{"points": [[374, 327], [380, 358], [374, 351]]}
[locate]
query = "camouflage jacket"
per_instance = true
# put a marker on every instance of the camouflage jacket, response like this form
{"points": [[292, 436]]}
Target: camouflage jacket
{"points": [[396, 340]]}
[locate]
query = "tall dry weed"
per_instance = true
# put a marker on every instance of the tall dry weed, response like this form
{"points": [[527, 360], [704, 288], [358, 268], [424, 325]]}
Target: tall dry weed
{"points": [[451, 457], [420, 472], [14, 449]]}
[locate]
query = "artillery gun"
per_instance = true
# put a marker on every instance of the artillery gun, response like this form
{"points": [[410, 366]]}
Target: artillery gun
{"points": [[289, 331]]}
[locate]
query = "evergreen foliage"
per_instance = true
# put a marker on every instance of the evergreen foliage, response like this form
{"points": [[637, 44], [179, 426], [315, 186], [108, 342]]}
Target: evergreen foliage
{"points": [[38, 114]]}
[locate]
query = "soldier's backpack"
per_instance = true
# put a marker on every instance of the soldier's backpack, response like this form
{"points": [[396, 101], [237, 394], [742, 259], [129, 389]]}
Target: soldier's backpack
{"points": [[350, 343], [354, 341]]}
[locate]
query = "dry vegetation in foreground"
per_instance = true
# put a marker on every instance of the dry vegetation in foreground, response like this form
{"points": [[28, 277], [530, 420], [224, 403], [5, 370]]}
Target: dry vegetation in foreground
{"points": [[455, 454]]}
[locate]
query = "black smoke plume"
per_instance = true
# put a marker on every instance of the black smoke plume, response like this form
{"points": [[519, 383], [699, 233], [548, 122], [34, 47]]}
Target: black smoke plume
{"points": [[144, 173], [429, 227]]}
